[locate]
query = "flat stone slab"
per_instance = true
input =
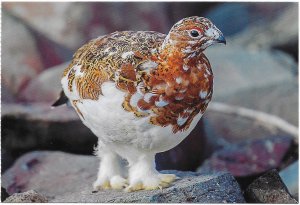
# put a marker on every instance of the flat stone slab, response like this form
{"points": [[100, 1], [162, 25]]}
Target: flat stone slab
{"points": [[217, 188], [65, 177]]}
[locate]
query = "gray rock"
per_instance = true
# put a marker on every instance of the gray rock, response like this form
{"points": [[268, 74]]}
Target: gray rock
{"points": [[72, 23], [259, 80], [256, 79], [4, 194], [68, 178], [237, 16], [225, 129], [269, 189], [26, 197], [249, 157], [234, 18], [46, 86], [21, 61], [280, 30], [64, 20], [216, 188], [38, 126], [7, 95]]}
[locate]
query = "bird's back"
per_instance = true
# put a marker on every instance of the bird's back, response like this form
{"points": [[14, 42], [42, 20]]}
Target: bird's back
{"points": [[107, 54]]}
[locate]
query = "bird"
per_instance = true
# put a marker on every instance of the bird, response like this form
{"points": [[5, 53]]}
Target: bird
{"points": [[141, 93]]}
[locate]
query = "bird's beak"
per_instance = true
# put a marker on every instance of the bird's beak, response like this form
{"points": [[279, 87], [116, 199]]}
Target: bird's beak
{"points": [[221, 39], [215, 35]]}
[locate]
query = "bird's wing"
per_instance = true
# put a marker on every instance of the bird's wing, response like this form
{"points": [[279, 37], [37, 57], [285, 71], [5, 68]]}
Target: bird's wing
{"points": [[114, 57]]}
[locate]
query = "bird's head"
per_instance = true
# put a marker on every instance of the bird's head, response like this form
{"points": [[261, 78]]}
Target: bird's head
{"points": [[194, 34]]}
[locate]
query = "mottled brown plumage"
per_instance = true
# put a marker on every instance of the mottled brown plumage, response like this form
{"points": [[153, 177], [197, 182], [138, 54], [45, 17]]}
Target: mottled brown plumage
{"points": [[136, 61], [141, 92]]}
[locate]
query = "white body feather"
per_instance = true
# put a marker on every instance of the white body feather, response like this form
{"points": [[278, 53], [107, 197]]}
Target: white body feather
{"points": [[123, 135], [122, 130]]}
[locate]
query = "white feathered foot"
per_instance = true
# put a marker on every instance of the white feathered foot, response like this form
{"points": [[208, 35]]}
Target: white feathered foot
{"points": [[144, 176], [111, 172]]}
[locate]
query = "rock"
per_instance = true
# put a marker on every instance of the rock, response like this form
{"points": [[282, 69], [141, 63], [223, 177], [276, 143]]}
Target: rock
{"points": [[4, 194], [7, 159], [30, 196], [224, 129], [20, 58], [202, 189], [234, 18], [248, 157], [290, 177], [52, 53], [259, 80], [176, 12], [64, 20], [38, 126], [269, 189], [282, 29], [72, 24], [238, 17], [227, 129], [6, 95], [46, 86], [50, 174], [140, 16]]}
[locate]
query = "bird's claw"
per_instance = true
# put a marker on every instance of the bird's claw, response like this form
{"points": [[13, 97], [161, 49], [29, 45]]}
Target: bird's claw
{"points": [[164, 180]]}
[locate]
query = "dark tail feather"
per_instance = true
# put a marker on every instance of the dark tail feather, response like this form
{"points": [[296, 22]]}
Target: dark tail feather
{"points": [[61, 100]]}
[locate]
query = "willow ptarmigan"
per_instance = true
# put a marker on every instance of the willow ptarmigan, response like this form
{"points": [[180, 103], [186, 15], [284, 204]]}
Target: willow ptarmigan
{"points": [[141, 93]]}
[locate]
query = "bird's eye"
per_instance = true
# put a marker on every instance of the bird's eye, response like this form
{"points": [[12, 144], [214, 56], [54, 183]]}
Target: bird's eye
{"points": [[194, 33]]}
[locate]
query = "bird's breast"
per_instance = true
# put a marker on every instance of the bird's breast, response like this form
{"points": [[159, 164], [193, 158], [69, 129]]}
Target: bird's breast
{"points": [[173, 93]]}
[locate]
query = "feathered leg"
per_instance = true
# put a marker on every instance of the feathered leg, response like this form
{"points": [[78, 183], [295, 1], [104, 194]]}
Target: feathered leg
{"points": [[143, 175], [111, 172]]}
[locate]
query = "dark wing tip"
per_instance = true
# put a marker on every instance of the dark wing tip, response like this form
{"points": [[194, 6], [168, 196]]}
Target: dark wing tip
{"points": [[63, 99]]}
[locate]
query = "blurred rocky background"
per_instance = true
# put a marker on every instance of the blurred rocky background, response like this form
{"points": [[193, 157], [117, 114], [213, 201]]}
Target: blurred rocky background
{"points": [[258, 69]]}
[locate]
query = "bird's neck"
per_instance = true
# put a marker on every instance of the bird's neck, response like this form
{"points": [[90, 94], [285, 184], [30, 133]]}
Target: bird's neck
{"points": [[176, 58], [183, 53]]}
